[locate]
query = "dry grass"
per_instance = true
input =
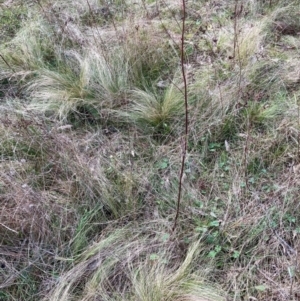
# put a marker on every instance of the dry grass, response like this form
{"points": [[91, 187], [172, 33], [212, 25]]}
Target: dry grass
{"points": [[87, 83], [90, 150], [138, 269]]}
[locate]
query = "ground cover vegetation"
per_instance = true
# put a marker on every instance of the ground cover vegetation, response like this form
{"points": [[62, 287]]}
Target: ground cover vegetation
{"points": [[92, 120]]}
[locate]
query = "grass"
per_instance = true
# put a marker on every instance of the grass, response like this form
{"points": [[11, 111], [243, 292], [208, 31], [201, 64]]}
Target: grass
{"points": [[11, 20], [91, 126], [157, 112], [80, 84], [143, 274]]}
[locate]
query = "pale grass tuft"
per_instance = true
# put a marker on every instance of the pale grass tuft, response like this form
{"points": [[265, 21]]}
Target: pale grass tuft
{"points": [[90, 81], [129, 265], [154, 110], [25, 53], [250, 43], [155, 282]]}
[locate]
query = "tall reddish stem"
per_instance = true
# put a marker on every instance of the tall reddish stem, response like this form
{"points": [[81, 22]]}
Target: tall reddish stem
{"points": [[182, 56]]}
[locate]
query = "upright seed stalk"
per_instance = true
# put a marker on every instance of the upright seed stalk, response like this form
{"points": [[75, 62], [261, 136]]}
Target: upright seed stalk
{"points": [[186, 125]]}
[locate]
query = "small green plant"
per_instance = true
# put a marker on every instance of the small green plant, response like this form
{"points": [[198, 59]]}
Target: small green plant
{"points": [[214, 252]]}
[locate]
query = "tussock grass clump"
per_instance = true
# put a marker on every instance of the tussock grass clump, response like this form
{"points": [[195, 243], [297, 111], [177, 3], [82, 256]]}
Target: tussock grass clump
{"points": [[92, 83], [28, 51], [140, 268], [157, 111]]}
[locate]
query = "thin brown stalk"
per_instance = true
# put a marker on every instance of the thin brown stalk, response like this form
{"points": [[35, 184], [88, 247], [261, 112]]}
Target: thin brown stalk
{"points": [[235, 23], [246, 151], [186, 116], [236, 48], [7, 64]]}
